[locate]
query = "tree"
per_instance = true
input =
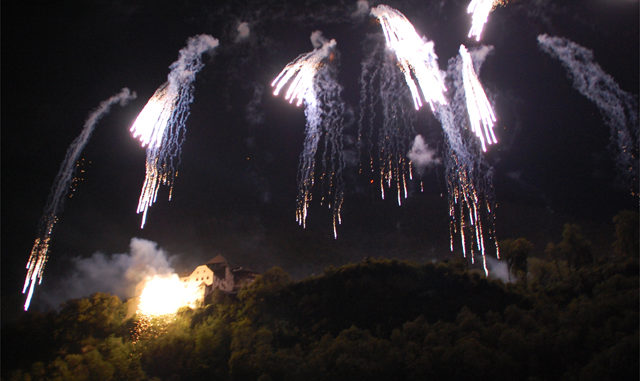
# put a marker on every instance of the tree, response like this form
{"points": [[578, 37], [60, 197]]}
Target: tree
{"points": [[573, 248], [98, 316], [626, 242], [269, 283], [515, 252]]}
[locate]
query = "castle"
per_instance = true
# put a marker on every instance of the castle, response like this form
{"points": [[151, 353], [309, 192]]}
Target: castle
{"points": [[218, 274]]}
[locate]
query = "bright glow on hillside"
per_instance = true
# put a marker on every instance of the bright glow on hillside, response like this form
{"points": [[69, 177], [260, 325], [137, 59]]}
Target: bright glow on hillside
{"points": [[166, 294]]}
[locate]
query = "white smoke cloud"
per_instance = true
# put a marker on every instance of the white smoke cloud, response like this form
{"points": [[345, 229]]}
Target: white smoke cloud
{"points": [[243, 31], [317, 39], [362, 9], [499, 270], [189, 62], [479, 55], [118, 274], [421, 155]]}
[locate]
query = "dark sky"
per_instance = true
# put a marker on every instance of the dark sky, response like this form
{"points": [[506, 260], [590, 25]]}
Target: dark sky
{"points": [[236, 191]]}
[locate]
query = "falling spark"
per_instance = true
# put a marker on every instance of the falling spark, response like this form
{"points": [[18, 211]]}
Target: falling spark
{"points": [[481, 116], [418, 63], [61, 186], [382, 84], [160, 126], [416, 57], [166, 294], [312, 82], [469, 177]]}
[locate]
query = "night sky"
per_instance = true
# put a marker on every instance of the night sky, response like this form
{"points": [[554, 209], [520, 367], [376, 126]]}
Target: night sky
{"points": [[235, 194]]}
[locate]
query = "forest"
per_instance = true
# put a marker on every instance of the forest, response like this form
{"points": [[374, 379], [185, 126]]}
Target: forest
{"points": [[566, 313]]}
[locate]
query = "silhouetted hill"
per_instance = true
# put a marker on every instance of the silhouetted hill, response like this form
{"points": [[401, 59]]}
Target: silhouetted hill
{"points": [[383, 294], [374, 320]]}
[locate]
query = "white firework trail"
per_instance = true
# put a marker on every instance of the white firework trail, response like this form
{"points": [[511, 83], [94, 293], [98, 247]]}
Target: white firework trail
{"points": [[618, 108], [481, 115], [416, 57], [469, 177], [470, 190], [61, 184], [160, 126], [312, 82], [382, 84], [479, 11]]}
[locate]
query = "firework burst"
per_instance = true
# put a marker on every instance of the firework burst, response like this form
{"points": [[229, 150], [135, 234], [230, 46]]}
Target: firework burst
{"points": [[61, 186], [160, 126], [416, 57], [312, 82]]}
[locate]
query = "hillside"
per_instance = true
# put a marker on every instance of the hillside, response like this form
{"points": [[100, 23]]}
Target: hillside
{"points": [[377, 319]]}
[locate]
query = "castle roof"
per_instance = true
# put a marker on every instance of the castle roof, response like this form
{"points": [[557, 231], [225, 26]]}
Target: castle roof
{"points": [[218, 259]]}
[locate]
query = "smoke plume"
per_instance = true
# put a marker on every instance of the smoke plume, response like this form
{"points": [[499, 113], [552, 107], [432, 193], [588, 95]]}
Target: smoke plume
{"points": [[362, 9], [118, 274], [421, 155], [317, 39], [243, 31], [499, 270]]}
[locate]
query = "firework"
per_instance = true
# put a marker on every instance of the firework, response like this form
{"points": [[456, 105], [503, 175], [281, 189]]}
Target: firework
{"points": [[59, 190], [469, 177], [299, 74], [418, 63], [481, 116], [617, 107], [416, 57], [312, 82], [381, 83], [470, 190], [479, 11], [160, 126]]}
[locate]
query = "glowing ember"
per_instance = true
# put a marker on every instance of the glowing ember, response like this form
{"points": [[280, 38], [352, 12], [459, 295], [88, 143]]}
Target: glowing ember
{"points": [[163, 295]]}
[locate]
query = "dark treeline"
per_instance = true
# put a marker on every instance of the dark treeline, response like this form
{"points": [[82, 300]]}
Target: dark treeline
{"points": [[568, 313]]}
